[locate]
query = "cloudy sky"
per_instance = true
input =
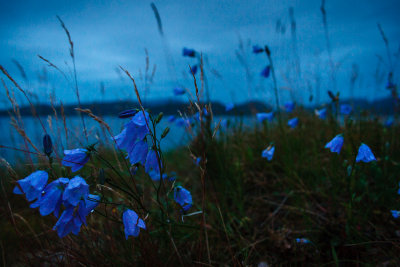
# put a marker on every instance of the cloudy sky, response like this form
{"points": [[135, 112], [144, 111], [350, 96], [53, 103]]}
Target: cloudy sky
{"points": [[108, 34]]}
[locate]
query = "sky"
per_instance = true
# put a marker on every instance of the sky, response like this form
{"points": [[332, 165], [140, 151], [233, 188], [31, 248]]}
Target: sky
{"points": [[109, 34]]}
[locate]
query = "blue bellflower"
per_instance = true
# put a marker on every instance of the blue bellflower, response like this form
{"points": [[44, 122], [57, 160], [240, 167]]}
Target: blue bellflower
{"points": [[152, 162], [179, 91], [303, 240], [132, 223], [76, 190], [182, 122], [292, 123], [345, 109], [171, 118], [183, 197], [265, 116], [335, 145], [395, 213], [268, 153], [51, 200], [75, 158], [47, 145], [289, 106], [127, 113], [389, 122], [32, 185], [186, 52], [266, 71], [257, 49], [229, 107], [193, 70], [321, 113], [365, 154]]}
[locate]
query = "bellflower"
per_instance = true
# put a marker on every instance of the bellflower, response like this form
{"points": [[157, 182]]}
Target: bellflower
{"points": [[293, 122], [193, 70], [138, 152], [265, 116], [132, 223], [51, 200], [183, 197], [182, 122], [395, 213], [127, 113], [75, 158], [268, 153], [186, 52], [76, 190], [289, 106], [389, 122], [335, 145], [257, 49], [171, 118], [265, 72], [68, 223], [365, 154], [179, 91], [303, 240], [87, 206], [152, 162], [32, 185], [47, 145], [321, 113], [229, 107], [398, 190], [345, 109]]}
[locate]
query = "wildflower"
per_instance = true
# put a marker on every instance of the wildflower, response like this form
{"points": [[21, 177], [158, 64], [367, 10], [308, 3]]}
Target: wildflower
{"points": [[186, 52], [292, 123], [395, 213], [321, 113], [303, 240], [132, 223], [155, 176], [345, 109], [365, 154], [229, 107], [182, 122], [289, 106], [138, 152], [47, 145], [171, 118], [51, 199], [87, 206], [152, 162], [335, 145], [398, 191], [265, 116], [75, 158], [32, 185], [127, 113], [257, 49], [76, 190], [193, 71], [179, 91], [265, 72], [198, 160], [183, 197], [389, 122], [268, 153]]}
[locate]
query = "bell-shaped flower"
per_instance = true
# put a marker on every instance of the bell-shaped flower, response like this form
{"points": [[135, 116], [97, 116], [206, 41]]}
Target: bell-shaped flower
{"points": [[395, 213], [179, 91], [171, 118], [75, 158], [229, 107], [76, 190], [132, 223], [186, 52], [303, 240], [51, 199], [266, 71], [127, 113], [183, 197], [32, 185], [152, 162], [193, 70], [47, 145], [365, 154], [345, 109], [268, 152], [389, 122], [292, 123], [257, 49], [335, 145], [289, 106], [265, 116], [139, 152], [321, 113]]}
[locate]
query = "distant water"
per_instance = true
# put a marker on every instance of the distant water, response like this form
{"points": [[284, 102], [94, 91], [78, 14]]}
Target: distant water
{"points": [[178, 135]]}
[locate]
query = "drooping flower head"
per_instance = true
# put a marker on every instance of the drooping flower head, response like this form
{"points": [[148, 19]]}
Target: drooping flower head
{"points": [[47, 145], [229, 107], [75, 158], [345, 109], [292, 123], [268, 153], [289, 106], [183, 197], [132, 223], [395, 213], [193, 70], [127, 113], [32, 185], [265, 116], [179, 91], [303, 240], [257, 49], [138, 152], [51, 199], [335, 145], [186, 52], [389, 122], [321, 113], [365, 154], [76, 190], [266, 71], [171, 118], [152, 162]]}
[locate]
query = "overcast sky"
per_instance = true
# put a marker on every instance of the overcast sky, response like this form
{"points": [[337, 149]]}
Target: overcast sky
{"points": [[108, 34]]}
